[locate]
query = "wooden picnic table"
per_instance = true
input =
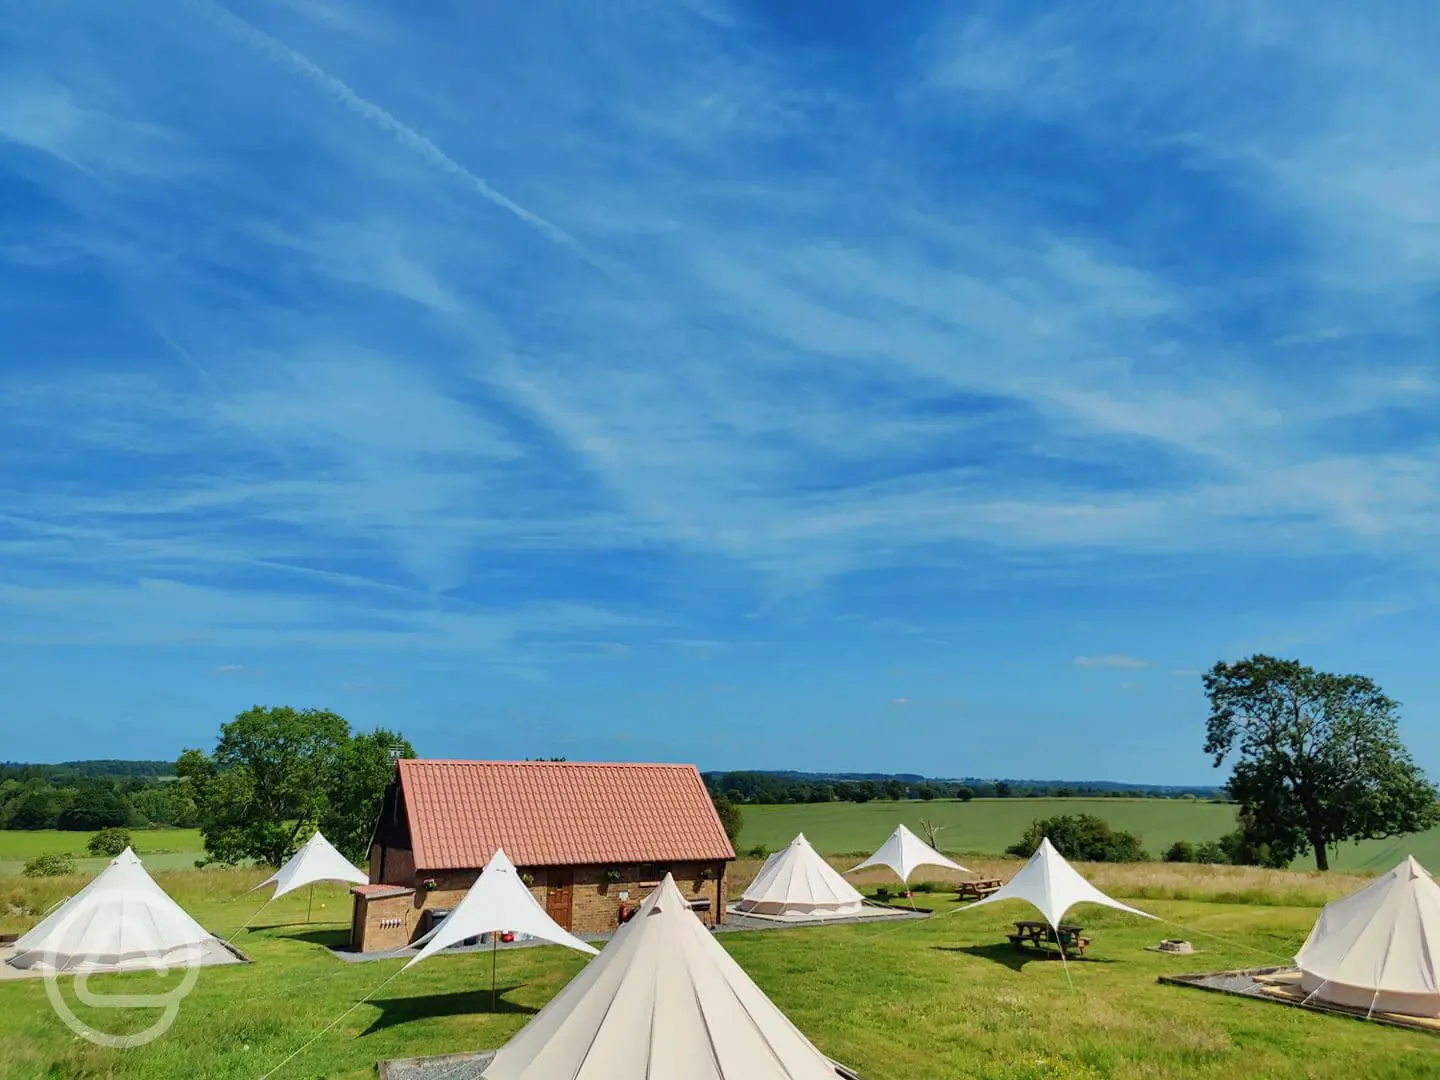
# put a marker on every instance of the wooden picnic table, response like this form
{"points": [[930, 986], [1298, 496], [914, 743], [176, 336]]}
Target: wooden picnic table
{"points": [[978, 890], [1037, 934]]}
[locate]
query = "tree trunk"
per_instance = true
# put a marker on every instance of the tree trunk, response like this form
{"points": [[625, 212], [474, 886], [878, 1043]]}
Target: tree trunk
{"points": [[1322, 855]]}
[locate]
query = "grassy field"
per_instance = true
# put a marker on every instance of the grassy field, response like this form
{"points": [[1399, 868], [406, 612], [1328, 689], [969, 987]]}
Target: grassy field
{"points": [[989, 826], [942, 998], [162, 849]]}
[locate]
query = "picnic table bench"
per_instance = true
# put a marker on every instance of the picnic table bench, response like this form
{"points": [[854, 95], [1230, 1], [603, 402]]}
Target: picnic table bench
{"points": [[978, 890], [1039, 934]]}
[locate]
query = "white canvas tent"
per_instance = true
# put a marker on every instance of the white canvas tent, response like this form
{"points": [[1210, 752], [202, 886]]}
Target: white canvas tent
{"points": [[1054, 886], [1379, 949], [316, 861], [121, 920], [664, 1001], [904, 852], [797, 881], [497, 902]]}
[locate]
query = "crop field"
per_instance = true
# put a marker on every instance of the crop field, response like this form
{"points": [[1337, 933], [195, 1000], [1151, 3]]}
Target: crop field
{"points": [[162, 849], [989, 826], [942, 998]]}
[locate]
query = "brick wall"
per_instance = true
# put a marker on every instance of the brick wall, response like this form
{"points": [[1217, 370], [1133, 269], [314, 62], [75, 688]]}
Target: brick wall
{"points": [[595, 903], [399, 865], [595, 900], [383, 922]]}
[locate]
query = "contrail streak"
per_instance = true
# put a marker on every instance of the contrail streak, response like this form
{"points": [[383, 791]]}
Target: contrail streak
{"points": [[407, 136]]}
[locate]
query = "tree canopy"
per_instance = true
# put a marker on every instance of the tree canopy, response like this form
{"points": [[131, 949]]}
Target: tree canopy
{"points": [[1083, 837], [730, 816], [1317, 758], [278, 773]]}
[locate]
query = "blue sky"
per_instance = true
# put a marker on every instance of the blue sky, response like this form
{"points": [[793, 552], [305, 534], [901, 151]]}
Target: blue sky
{"points": [[919, 387]]}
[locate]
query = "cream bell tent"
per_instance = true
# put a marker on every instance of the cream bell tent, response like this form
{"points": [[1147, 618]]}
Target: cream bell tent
{"points": [[663, 1001], [121, 920], [1379, 949], [904, 852], [797, 881], [316, 861], [1054, 886]]}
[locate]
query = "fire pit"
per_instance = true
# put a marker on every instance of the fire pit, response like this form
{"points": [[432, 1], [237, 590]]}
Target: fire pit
{"points": [[1175, 945]]}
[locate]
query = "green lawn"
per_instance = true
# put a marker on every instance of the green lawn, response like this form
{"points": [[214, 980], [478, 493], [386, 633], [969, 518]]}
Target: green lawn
{"points": [[939, 999], [161, 849], [989, 826]]}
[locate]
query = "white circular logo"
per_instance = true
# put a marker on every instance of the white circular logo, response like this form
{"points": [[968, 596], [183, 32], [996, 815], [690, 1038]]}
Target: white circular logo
{"points": [[127, 941]]}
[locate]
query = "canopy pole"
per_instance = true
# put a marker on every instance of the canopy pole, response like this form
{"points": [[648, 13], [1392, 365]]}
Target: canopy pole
{"points": [[310, 907], [494, 949], [1060, 942]]}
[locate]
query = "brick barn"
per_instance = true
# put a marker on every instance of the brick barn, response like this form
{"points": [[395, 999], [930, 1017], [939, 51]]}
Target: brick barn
{"points": [[587, 839]]}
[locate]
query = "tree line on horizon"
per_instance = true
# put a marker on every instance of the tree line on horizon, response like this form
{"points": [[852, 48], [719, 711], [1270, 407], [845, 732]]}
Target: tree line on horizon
{"points": [[779, 788], [1316, 760]]}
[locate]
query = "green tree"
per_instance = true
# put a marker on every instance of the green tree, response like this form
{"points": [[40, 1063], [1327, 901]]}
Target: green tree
{"points": [[926, 792], [1182, 851], [278, 773], [108, 843], [51, 864], [964, 794], [730, 816], [366, 765], [1211, 852], [1080, 836], [1318, 758], [96, 805], [169, 804], [894, 790], [36, 807], [1003, 790]]}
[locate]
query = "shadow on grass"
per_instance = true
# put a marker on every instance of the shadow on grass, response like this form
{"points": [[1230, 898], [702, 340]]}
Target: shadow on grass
{"points": [[331, 939], [332, 935], [394, 1011], [1015, 959]]}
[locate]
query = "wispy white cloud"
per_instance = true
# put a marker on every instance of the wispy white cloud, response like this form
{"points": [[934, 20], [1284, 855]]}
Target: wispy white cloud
{"points": [[479, 359], [1111, 660]]}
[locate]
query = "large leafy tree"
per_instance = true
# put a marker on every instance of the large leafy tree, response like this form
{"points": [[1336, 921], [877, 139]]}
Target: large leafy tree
{"points": [[278, 773], [1317, 757], [355, 794]]}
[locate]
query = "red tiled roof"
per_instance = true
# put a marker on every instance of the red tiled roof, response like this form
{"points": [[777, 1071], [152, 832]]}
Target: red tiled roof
{"points": [[558, 813]]}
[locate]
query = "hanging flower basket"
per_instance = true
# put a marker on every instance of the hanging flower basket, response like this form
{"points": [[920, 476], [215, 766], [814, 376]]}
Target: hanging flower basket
{"points": [[612, 873], [429, 884], [527, 877]]}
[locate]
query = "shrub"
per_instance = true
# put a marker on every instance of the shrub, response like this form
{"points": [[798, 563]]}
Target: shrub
{"points": [[759, 851], [964, 794], [108, 842], [51, 864], [1211, 853], [1242, 850], [1181, 851], [925, 886], [1080, 836]]}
